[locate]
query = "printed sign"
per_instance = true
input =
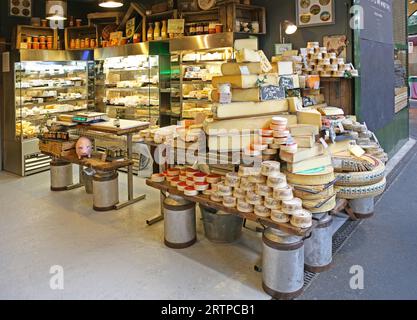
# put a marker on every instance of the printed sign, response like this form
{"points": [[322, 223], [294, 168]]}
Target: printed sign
{"points": [[176, 25], [130, 27], [286, 82]]}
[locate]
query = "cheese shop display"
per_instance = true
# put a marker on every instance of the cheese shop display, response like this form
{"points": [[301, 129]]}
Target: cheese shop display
{"points": [[192, 73], [132, 87]]}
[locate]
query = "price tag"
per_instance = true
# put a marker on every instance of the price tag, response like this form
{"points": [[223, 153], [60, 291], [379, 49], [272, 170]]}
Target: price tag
{"points": [[341, 128], [324, 143], [244, 70]]}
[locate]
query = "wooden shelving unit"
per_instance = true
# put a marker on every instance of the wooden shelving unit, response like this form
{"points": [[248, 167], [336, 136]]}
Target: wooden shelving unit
{"points": [[22, 31], [80, 33]]}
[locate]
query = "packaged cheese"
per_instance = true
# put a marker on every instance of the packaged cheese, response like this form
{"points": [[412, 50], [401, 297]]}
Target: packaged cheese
{"points": [[285, 68]]}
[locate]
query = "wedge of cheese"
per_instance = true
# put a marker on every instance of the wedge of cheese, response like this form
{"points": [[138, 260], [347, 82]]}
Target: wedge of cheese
{"points": [[302, 154], [294, 104], [305, 141], [253, 123], [237, 69], [240, 95], [309, 164], [303, 130], [339, 146], [266, 65], [309, 116], [244, 109], [285, 68], [246, 81], [247, 55]]}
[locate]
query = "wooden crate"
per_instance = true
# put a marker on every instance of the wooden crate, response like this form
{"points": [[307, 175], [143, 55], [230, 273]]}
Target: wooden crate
{"points": [[338, 93], [245, 13], [22, 31], [80, 33], [57, 148]]}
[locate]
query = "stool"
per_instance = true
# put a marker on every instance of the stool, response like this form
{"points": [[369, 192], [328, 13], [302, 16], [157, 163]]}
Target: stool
{"points": [[61, 175], [105, 190]]}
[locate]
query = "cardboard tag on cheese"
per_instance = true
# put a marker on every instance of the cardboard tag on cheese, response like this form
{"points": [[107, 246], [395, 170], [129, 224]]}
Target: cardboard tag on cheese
{"points": [[357, 151], [286, 82], [324, 143], [225, 98], [244, 70]]}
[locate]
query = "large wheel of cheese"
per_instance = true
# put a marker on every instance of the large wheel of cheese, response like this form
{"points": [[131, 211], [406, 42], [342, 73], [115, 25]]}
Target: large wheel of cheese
{"points": [[319, 205], [350, 193], [353, 179], [305, 195], [313, 178]]}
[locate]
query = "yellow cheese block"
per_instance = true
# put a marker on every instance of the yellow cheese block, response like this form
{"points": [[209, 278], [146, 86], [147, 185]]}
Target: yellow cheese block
{"points": [[303, 130], [247, 55], [313, 178], [285, 68], [294, 104], [309, 116], [236, 69], [302, 154], [253, 123], [240, 95], [339, 146], [230, 142], [245, 81], [309, 164], [242, 109], [305, 141]]}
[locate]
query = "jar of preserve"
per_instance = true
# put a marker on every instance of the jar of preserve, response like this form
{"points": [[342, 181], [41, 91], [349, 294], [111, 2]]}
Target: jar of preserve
{"points": [[35, 45], [93, 43], [219, 28], [77, 43], [49, 45], [82, 44], [87, 43], [42, 39], [72, 44]]}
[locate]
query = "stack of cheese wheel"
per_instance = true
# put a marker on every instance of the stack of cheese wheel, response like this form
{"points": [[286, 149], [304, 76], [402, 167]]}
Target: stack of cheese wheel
{"points": [[267, 138], [281, 134], [313, 188]]}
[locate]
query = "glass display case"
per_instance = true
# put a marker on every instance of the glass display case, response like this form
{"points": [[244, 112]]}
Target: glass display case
{"points": [[192, 72], [129, 84], [43, 84]]}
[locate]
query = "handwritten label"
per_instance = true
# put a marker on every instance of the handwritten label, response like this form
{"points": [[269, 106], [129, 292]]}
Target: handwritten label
{"points": [[286, 82], [272, 92], [324, 143]]}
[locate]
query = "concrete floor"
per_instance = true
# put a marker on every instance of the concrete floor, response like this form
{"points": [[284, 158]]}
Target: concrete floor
{"points": [[112, 255]]}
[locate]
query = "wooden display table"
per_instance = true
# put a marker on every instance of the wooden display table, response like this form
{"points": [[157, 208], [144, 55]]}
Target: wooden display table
{"points": [[205, 201], [127, 128]]}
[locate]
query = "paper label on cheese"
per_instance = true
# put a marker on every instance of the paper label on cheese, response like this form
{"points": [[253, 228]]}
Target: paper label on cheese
{"points": [[244, 70], [324, 143]]}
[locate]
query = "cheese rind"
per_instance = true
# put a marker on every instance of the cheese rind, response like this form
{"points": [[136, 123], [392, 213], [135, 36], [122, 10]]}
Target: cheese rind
{"points": [[240, 95], [242, 109], [254, 123], [309, 164], [302, 154], [311, 117], [235, 69], [246, 81]]}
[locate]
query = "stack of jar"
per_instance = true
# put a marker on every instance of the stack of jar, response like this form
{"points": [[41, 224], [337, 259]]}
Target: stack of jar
{"points": [[86, 43], [39, 42], [195, 29]]}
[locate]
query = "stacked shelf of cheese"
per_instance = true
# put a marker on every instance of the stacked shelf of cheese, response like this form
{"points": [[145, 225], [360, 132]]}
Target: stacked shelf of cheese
{"points": [[318, 61], [309, 170], [246, 93]]}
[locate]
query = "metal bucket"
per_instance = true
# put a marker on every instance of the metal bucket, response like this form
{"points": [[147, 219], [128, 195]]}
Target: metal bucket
{"points": [[318, 248], [87, 180], [363, 208], [61, 175], [282, 264], [179, 222], [105, 190], [221, 227]]}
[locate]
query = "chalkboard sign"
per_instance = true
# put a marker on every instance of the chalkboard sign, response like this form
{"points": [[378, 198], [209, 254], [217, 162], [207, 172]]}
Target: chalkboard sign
{"points": [[286, 82], [293, 93], [272, 93]]}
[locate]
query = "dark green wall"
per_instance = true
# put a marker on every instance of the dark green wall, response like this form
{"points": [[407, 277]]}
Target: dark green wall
{"points": [[281, 10]]}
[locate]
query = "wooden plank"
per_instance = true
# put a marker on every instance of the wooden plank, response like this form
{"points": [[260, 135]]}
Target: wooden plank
{"points": [[205, 201], [94, 163], [126, 126]]}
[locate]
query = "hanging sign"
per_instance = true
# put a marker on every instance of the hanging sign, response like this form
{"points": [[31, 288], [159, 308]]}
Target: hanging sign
{"points": [[130, 27]]}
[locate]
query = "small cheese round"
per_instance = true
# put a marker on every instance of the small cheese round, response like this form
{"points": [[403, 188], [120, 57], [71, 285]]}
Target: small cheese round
{"points": [[199, 177], [201, 186], [257, 179], [245, 207], [173, 172], [302, 219], [272, 203], [174, 182], [190, 182], [278, 181], [290, 206], [269, 168], [181, 186], [283, 193], [247, 186], [279, 216], [253, 198], [263, 190], [281, 133], [279, 121], [290, 148], [216, 197], [262, 211], [190, 191], [190, 172], [239, 193], [183, 177], [229, 202], [267, 140], [267, 132], [158, 177], [213, 178], [224, 190]]}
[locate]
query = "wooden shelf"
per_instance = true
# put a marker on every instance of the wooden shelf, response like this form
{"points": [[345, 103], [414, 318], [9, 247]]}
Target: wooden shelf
{"points": [[205, 201]]}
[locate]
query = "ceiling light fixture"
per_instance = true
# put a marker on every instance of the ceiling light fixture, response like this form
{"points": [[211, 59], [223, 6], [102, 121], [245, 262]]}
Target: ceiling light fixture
{"points": [[110, 3]]}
